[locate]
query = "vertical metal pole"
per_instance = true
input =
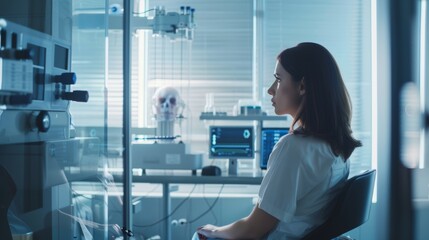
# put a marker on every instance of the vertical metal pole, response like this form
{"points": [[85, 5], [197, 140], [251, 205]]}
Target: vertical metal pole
{"points": [[106, 211], [106, 112], [126, 118], [167, 209], [258, 74], [402, 14], [257, 54]]}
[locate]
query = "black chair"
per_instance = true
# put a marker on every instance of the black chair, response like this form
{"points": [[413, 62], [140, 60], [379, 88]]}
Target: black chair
{"points": [[7, 193], [351, 209]]}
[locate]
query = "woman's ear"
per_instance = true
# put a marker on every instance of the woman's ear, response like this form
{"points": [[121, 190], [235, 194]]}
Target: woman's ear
{"points": [[301, 87]]}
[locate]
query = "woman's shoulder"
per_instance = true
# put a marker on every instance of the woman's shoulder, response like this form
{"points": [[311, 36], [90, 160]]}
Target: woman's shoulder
{"points": [[299, 138], [305, 144]]}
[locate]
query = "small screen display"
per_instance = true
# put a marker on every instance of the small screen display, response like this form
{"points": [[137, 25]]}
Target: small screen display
{"points": [[231, 142], [61, 57], [269, 138]]}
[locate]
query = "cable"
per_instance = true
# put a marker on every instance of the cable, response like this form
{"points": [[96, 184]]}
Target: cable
{"points": [[91, 224], [210, 208], [104, 202], [89, 198], [151, 191], [78, 218], [188, 216], [96, 225], [172, 212], [208, 204], [163, 61], [139, 13]]}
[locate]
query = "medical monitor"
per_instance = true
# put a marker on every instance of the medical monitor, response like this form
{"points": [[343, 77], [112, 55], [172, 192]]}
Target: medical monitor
{"points": [[231, 142], [269, 138]]}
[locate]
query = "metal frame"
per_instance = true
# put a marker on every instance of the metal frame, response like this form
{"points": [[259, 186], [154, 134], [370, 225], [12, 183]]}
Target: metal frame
{"points": [[127, 216]]}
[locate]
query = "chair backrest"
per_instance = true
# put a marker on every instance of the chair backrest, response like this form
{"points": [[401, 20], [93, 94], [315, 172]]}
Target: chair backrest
{"points": [[351, 209], [7, 193]]}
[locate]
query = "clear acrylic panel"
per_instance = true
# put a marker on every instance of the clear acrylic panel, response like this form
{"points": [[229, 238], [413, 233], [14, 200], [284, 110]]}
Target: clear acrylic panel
{"points": [[60, 152], [101, 195]]}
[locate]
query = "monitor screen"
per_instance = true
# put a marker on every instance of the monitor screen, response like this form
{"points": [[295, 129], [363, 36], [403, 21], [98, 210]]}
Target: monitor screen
{"points": [[231, 142], [61, 57], [269, 138]]}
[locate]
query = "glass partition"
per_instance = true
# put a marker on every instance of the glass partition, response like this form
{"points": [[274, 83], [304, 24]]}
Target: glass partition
{"points": [[60, 151], [96, 64]]}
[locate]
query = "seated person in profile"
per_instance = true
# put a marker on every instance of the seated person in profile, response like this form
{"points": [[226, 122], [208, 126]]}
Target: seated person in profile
{"points": [[307, 167]]}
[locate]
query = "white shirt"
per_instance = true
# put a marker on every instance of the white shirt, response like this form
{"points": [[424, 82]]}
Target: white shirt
{"points": [[303, 177]]}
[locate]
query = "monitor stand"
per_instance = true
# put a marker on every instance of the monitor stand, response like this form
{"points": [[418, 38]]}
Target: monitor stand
{"points": [[232, 167]]}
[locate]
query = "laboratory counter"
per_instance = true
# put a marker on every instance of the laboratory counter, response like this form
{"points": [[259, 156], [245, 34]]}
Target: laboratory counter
{"points": [[173, 177]]}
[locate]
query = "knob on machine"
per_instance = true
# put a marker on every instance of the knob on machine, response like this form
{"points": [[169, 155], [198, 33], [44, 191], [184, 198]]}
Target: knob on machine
{"points": [[69, 78], [40, 121]]}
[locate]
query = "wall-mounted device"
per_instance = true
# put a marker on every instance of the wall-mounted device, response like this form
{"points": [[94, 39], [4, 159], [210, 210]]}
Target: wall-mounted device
{"points": [[176, 26], [35, 86], [37, 148]]}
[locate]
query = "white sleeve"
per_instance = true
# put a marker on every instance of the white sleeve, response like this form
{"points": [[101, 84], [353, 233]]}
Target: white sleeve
{"points": [[292, 173]]}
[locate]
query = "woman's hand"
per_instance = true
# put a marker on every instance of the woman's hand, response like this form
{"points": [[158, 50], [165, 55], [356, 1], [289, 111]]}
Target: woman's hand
{"points": [[255, 226], [207, 231]]}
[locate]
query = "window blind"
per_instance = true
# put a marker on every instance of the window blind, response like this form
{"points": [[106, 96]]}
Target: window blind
{"points": [[218, 61], [88, 62]]}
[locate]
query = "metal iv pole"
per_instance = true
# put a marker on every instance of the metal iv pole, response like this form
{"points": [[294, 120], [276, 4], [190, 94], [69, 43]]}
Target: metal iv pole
{"points": [[127, 183]]}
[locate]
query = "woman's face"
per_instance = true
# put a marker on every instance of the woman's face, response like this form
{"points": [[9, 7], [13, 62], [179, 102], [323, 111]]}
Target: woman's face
{"points": [[287, 94]]}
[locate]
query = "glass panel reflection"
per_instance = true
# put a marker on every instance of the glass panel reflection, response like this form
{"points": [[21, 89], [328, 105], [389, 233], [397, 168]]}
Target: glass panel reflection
{"points": [[56, 144]]}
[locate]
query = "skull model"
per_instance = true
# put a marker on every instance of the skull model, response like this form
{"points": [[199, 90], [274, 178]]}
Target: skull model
{"points": [[167, 104]]}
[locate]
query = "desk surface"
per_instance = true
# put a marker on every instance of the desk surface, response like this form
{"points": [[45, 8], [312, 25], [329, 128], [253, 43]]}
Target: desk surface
{"points": [[245, 178], [186, 177], [194, 179], [200, 179]]}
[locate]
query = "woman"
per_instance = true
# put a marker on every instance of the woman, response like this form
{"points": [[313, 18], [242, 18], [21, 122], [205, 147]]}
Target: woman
{"points": [[307, 167]]}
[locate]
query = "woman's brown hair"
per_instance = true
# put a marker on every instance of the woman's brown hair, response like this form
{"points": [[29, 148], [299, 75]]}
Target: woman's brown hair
{"points": [[325, 111]]}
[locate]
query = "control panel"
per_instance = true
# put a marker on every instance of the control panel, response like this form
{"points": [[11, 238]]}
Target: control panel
{"points": [[35, 85]]}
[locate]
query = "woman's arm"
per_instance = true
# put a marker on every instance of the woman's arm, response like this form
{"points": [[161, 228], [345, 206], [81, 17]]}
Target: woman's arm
{"points": [[254, 226]]}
